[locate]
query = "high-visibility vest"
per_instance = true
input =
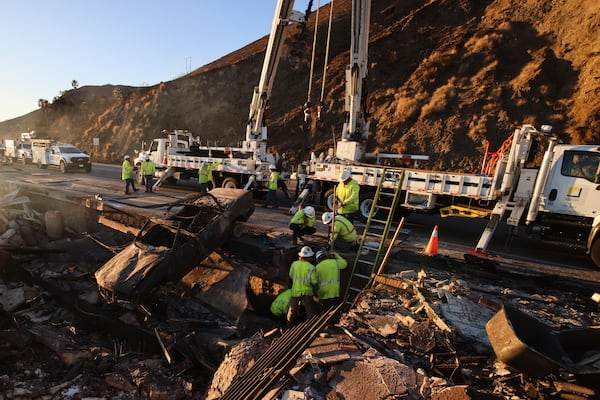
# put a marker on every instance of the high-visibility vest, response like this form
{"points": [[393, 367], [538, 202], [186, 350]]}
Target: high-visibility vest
{"points": [[344, 229], [148, 167], [303, 277], [301, 219], [281, 304], [349, 194], [126, 170], [328, 277], [273, 178]]}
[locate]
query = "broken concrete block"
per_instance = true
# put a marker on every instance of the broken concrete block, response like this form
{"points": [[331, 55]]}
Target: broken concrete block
{"points": [[385, 325], [451, 393]]}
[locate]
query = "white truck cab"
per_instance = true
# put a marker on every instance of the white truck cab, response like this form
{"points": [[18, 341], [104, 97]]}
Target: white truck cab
{"points": [[65, 156]]}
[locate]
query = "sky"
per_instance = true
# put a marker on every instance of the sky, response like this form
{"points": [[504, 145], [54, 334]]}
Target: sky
{"points": [[45, 45]]}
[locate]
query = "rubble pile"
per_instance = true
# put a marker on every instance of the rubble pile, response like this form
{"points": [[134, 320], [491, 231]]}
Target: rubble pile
{"points": [[20, 225], [420, 332], [423, 335]]}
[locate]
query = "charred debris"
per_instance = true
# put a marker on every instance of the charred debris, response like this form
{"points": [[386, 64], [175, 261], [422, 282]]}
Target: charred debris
{"points": [[430, 327]]}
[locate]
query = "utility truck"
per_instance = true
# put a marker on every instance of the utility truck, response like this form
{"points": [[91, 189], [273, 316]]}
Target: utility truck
{"points": [[557, 197], [16, 150], [179, 155], [66, 157]]}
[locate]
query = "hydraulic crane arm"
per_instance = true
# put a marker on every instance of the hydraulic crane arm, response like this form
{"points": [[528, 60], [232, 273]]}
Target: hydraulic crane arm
{"points": [[356, 127], [356, 71], [256, 131]]}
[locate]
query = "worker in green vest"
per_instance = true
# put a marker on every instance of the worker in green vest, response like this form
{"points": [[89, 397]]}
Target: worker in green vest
{"points": [[127, 174], [329, 266], [302, 223], [304, 280], [272, 184], [342, 233], [205, 177], [347, 194], [148, 169], [281, 305]]}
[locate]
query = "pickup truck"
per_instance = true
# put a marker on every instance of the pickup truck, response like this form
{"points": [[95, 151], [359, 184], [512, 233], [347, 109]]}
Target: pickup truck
{"points": [[65, 156]]}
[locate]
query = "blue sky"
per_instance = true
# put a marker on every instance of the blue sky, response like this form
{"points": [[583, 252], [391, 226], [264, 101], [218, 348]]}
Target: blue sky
{"points": [[47, 44]]}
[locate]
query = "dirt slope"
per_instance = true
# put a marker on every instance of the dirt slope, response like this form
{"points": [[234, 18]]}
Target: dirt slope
{"points": [[445, 75]]}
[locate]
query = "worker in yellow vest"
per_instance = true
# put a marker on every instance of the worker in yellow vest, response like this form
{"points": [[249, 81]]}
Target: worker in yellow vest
{"points": [[272, 184], [304, 280], [127, 174], [329, 266], [342, 233], [347, 194], [205, 176], [302, 223], [280, 306], [148, 169]]}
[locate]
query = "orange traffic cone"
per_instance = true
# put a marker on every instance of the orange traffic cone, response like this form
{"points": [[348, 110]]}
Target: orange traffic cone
{"points": [[432, 245]]}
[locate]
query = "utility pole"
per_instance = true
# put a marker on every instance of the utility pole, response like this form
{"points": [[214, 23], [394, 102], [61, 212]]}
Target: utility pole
{"points": [[188, 65]]}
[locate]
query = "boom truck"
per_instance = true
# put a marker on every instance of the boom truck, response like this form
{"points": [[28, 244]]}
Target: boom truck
{"points": [[557, 198], [179, 155]]}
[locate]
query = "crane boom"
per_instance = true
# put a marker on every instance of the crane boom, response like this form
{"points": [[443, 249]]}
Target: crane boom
{"points": [[256, 130], [356, 127]]}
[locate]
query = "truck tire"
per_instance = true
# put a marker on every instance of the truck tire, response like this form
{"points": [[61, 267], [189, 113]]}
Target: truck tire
{"points": [[39, 165], [230, 183], [63, 167], [364, 206], [88, 168], [595, 252], [328, 197], [24, 161]]}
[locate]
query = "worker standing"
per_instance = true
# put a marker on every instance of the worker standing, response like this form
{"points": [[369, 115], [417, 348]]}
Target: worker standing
{"points": [[347, 195], [127, 174], [148, 169], [203, 178], [328, 270], [302, 223], [304, 279], [342, 233], [272, 184]]}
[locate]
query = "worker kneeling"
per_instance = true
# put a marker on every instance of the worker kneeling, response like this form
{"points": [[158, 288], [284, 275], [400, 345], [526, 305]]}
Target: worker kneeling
{"points": [[304, 280], [342, 233], [280, 306], [302, 223], [329, 279]]}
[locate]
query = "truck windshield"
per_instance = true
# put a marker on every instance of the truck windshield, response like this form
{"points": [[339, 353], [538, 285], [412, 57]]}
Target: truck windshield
{"points": [[27, 145], [581, 164], [69, 149]]}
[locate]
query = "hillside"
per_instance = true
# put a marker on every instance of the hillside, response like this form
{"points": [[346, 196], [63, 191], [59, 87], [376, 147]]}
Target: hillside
{"points": [[445, 76]]}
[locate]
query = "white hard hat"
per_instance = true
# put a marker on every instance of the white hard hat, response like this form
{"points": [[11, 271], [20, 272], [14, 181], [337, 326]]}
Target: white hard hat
{"points": [[327, 217], [321, 254], [309, 211], [305, 252], [272, 166], [147, 158], [126, 157], [345, 175]]}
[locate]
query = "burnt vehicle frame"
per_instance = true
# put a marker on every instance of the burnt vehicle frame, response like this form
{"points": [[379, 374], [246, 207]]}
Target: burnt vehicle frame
{"points": [[166, 249]]}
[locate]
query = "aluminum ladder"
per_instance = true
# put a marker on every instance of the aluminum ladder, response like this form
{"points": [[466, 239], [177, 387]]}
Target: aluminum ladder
{"points": [[370, 256]]}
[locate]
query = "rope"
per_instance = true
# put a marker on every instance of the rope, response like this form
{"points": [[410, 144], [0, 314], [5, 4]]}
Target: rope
{"points": [[314, 48], [327, 51]]}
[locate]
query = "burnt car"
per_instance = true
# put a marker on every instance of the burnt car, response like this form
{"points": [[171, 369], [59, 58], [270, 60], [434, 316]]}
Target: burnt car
{"points": [[166, 249]]}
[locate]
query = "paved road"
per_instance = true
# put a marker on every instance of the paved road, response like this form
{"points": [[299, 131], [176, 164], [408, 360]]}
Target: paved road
{"points": [[456, 235]]}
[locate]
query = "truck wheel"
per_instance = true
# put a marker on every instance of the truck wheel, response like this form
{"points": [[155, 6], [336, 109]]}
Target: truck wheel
{"points": [[230, 183], [63, 167], [329, 199], [88, 168], [595, 252], [365, 203], [39, 165], [24, 161]]}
